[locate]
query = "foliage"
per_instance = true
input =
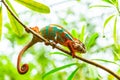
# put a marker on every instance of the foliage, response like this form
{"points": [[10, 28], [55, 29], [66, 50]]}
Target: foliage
{"points": [[43, 61]]}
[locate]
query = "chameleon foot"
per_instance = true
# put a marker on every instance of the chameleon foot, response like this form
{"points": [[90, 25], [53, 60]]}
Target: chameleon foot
{"points": [[53, 45], [47, 42]]}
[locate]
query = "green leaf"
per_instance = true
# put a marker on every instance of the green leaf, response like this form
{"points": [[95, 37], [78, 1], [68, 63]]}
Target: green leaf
{"points": [[11, 7], [108, 1], [92, 40], [35, 6], [16, 27], [107, 61], [107, 20], [72, 74], [0, 22], [57, 69], [95, 6], [114, 32], [116, 55], [60, 53], [82, 33], [74, 33]]}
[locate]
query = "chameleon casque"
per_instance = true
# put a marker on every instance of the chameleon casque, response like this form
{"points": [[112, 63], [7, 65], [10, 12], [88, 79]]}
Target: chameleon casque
{"points": [[56, 34]]}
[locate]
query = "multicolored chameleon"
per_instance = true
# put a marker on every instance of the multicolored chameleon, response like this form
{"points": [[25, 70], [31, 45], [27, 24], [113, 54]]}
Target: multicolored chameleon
{"points": [[56, 34]]}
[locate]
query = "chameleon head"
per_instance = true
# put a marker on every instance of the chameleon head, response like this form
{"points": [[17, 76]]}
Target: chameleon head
{"points": [[79, 46]]}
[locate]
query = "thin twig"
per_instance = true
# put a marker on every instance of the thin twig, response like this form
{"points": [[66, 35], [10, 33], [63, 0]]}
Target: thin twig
{"points": [[67, 52]]}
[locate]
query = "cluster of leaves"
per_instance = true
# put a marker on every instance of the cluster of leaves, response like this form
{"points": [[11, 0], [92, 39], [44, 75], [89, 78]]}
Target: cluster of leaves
{"points": [[115, 16], [15, 25]]}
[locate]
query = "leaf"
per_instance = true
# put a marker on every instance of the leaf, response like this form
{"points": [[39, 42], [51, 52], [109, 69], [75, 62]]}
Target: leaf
{"points": [[0, 22], [60, 53], [72, 74], [116, 55], [107, 61], [35, 6], [11, 7], [74, 33], [107, 20], [57, 69], [16, 27], [92, 40], [82, 33], [95, 6], [108, 1], [114, 30]]}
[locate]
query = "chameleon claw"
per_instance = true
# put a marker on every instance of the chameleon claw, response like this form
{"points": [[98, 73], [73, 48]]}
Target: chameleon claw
{"points": [[47, 42], [73, 55], [53, 45]]}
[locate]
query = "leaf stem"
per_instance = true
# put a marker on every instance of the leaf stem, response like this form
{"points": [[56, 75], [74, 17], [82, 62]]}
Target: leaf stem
{"points": [[67, 52]]}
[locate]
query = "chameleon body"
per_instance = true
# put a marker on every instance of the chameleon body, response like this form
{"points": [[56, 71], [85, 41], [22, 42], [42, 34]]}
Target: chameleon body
{"points": [[58, 34]]}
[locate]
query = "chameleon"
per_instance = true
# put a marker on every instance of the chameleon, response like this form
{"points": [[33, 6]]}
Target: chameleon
{"points": [[56, 34]]}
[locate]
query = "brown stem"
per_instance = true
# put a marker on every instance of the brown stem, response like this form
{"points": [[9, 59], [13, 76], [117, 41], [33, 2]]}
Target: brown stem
{"points": [[43, 39]]}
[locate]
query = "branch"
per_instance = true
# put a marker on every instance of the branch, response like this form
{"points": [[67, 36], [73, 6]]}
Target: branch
{"points": [[67, 52]]}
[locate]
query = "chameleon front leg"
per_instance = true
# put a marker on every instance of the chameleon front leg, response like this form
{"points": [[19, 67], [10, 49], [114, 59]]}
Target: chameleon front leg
{"points": [[69, 44]]}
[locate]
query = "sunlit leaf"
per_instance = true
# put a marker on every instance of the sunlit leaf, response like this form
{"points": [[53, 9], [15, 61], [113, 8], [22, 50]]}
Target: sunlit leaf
{"points": [[92, 40], [74, 33], [72, 74], [107, 20], [110, 77], [11, 7], [116, 55], [35, 6], [0, 22], [108, 1], [82, 33], [103, 60], [60, 53], [16, 27], [114, 32], [57, 69], [95, 6]]}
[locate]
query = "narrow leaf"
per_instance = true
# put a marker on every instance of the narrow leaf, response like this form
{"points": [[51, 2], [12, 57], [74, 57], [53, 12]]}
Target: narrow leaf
{"points": [[108, 1], [116, 55], [107, 20], [35, 6], [72, 74], [114, 31], [16, 27], [82, 33], [57, 69], [95, 6], [11, 7], [92, 40], [0, 22], [60, 53], [107, 61], [74, 33]]}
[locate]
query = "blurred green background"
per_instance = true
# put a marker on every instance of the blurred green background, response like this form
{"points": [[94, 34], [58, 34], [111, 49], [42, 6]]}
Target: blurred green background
{"points": [[94, 22]]}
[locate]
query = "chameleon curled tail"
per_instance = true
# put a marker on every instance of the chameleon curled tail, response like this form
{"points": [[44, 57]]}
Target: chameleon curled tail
{"points": [[24, 68]]}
